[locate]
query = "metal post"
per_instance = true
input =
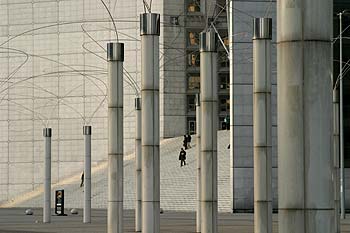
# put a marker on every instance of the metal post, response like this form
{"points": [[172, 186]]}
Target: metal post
{"points": [[209, 126], [198, 135], [47, 133], [115, 57], [342, 174], [87, 174], [230, 24], [336, 180], [138, 159], [150, 31], [304, 72], [262, 125]]}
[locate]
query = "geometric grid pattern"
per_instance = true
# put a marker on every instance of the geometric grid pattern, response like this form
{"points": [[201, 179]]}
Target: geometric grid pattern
{"points": [[53, 73]]}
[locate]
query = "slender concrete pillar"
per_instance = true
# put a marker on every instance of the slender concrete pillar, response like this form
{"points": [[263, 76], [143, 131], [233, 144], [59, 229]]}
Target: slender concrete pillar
{"points": [[336, 178], [138, 159], [304, 70], [47, 133], [115, 57], [150, 31], [341, 122], [230, 24], [262, 125], [87, 174], [209, 127], [198, 136]]}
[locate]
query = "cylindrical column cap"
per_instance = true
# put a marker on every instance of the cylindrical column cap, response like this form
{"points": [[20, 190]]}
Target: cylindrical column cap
{"points": [[87, 130], [115, 51], [208, 41], [138, 103], [47, 132], [198, 100], [149, 24], [262, 28]]}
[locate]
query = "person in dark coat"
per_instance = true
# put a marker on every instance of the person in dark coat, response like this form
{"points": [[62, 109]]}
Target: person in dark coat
{"points": [[182, 157], [185, 142], [189, 140]]}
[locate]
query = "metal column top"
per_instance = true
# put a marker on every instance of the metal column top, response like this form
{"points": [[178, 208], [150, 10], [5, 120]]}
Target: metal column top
{"points": [[262, 28], [87, 130], [47, 132], [138, 103], [208, 41], [150, 24], [115, 51]]}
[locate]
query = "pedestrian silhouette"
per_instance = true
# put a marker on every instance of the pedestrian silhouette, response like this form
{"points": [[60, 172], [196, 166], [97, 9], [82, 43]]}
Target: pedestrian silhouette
{"points": [[182, 157]]}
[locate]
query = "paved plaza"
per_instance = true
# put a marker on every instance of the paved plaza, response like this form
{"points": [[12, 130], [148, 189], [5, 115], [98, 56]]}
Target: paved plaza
{"points": [[178, 184], [15, 221]]}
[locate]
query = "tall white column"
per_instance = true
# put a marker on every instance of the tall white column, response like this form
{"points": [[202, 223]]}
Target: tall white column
{"points": [[341, 127], [304, 72], [209, 127], [262, 125], [138, 159], [230, 24], [150, 31], [336, 180], [115, 57], [47, 133], [87, 174], [198, 136]]}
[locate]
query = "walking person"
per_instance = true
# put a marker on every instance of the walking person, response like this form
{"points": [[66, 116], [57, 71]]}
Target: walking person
{"points": [[189, 140], [182, 157], [185, 142]]}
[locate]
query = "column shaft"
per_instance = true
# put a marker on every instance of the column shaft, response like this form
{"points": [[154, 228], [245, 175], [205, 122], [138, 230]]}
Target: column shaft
{"points": [[304, 70], [150, 123], [87, 174], [47, 132], [209, 121], [336, 178], [262, 126], [198, 136], [138, 164], [230, 18], [115, 54]]}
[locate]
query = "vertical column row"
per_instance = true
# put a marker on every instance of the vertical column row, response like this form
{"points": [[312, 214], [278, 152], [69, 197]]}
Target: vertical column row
{"points": [[47, 133], [198, 136], [150, 31], [115, 57], [138, 163], [209, 121], [305, 160], [87, 174], [262, 125]]}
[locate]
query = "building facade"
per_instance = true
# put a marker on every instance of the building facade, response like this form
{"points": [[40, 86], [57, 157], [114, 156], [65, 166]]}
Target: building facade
{"points": [[53, 73]]}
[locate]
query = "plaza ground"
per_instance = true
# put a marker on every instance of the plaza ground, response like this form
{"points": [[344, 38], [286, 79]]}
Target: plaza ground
{"points": [[13, 220]]}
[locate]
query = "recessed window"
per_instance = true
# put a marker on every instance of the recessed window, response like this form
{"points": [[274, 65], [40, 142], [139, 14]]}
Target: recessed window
{"points": [[191, 103], [193, 6], [224, 81], [191, 125], [193, 82], [193, 38], [224, 103], [193, 59]]}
